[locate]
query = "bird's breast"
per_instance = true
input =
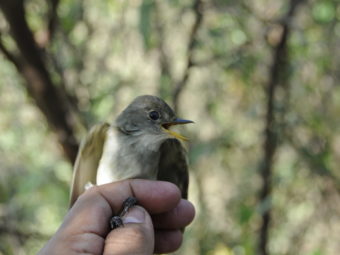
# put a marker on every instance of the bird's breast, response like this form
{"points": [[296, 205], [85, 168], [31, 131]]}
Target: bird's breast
{"points": [[126, 157]]}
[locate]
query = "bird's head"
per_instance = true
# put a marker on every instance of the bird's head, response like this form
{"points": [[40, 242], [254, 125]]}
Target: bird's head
{"points": [[149, 115]]}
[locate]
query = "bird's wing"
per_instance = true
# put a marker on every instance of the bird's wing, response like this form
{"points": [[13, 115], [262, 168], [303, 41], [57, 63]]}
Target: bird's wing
{"points": [[89, 154], [173, 166]]}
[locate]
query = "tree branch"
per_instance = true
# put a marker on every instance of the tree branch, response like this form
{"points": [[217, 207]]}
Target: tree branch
{"points": [[9, 55], [198, 11], [52, 18], [277, 77], [315, 160], [22, 234], [166, 76], [39, 85]]}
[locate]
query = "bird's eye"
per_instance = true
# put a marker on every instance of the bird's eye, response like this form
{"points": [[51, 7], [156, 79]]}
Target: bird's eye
{"points": [[154, 115]]}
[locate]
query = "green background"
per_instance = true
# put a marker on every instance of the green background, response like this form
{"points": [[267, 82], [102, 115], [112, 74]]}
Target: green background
{"points": [[241, 72]]}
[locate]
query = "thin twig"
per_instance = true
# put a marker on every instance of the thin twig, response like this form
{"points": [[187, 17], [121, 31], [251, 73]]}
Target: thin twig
{"points": [[52, 18], [312, 159], [277, 77], [9, 55], [22, 234], [198, 11], [165, 67], [39, 83]]}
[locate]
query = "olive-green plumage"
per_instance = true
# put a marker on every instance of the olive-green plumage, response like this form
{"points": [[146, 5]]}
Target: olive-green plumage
{"points": [[138, 144]]}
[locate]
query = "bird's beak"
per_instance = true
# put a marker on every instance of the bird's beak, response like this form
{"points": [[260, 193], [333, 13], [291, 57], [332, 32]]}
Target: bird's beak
{"points": [[177, 121]]}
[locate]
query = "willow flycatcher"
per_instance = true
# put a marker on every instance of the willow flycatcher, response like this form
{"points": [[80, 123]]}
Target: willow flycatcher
{"points": [[139, 144]]}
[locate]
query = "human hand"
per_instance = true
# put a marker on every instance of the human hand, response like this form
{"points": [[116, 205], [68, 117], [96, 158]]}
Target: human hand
{"points": [[155, 229]]}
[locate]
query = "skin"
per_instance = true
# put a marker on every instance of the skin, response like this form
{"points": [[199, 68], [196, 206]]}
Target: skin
{"points": [[152, 227]]}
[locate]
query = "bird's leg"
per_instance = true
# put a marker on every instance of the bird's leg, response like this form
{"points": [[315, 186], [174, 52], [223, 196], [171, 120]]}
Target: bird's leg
{"points": [[127, 204], [116, 221]]}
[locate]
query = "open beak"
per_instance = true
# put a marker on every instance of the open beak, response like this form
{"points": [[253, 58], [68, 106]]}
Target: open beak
{"points": [[177, 121]]}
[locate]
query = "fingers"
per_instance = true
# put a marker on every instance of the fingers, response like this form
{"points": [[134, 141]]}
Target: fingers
{"points": [[93, 210], [136, 237], [177, 218], [168, 236], [167, 241], [154, 196], [89, 219]]}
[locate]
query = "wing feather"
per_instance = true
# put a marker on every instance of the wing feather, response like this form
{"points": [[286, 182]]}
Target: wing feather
{"points": [[173, 166], [89, 155]]}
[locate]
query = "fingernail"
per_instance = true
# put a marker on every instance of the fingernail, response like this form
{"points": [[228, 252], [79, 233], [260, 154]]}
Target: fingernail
{"points": [[134, 215]]}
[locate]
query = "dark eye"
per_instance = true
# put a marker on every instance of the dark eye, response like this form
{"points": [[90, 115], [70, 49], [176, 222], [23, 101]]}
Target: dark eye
{"points": [[154, 115]]}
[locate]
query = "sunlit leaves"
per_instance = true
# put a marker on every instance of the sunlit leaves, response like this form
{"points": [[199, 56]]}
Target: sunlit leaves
{"points": [[145, 21], [109, 53], [324, 11], [70, 13]]}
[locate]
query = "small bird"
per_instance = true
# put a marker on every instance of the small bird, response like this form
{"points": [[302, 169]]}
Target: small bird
{"points": [[138, 144]]}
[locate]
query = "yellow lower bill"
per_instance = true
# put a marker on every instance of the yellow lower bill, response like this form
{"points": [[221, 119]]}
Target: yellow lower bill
{"points": [[178, 136]]}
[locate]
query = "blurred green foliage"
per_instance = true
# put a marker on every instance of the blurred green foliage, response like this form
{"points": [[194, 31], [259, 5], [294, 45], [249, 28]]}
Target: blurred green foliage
{"points": [[108, 52]]}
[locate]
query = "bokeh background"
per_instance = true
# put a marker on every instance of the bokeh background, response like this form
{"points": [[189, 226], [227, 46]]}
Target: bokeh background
{"points": [[259, 78]]}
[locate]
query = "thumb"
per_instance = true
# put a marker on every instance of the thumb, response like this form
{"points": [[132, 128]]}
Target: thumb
{"points": [[135, 237]]}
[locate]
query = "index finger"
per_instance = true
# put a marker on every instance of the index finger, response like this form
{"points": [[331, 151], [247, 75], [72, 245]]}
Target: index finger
{"points": [[155, 196], [93, 209]]}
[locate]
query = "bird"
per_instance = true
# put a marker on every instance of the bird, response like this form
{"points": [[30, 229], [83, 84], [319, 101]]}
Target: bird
{"points": [[137, 144]]}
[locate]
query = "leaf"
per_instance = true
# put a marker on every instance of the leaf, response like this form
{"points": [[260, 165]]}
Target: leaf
{"points": [[245, 213], [145, 15], [70, 15], [324, 11]]}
